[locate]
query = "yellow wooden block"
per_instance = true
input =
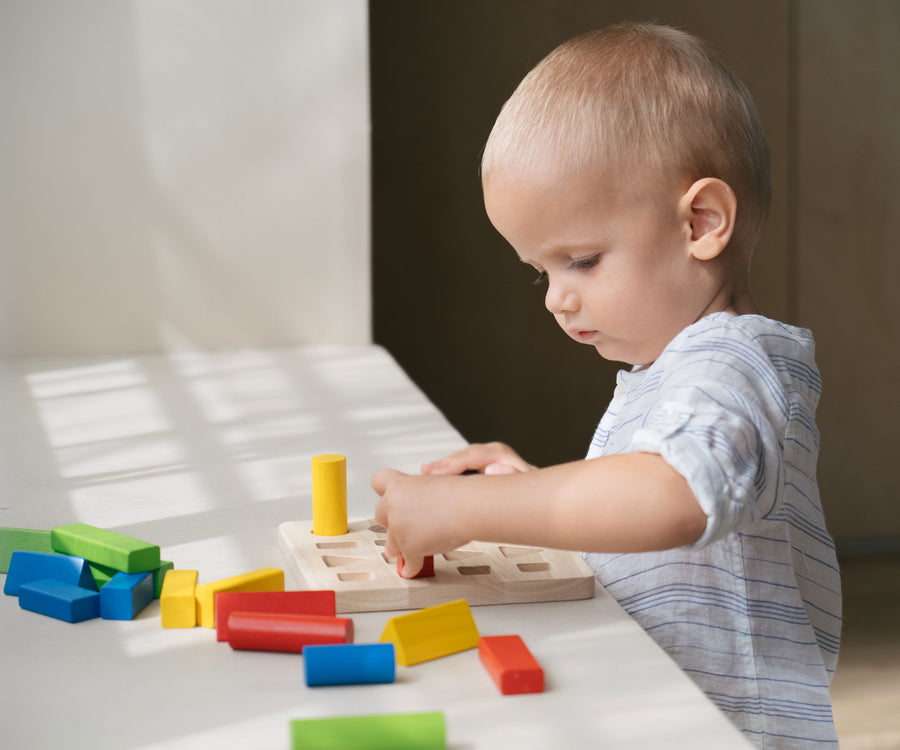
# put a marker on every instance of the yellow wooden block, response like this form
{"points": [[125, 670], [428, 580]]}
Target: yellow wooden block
{"points": [[264, 579], [177, 600], [432, 632]]}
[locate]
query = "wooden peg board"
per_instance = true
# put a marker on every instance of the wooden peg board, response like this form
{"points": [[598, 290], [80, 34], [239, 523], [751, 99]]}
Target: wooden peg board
{"points": [[365, 580]]}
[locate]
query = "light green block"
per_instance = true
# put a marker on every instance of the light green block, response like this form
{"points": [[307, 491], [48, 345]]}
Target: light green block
{"points": [[418, 731], [32, 540], [103, 547]]}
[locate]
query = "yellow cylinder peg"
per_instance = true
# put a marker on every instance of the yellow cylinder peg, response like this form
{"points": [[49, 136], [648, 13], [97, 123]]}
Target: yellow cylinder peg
{"points": [[329, 490]]}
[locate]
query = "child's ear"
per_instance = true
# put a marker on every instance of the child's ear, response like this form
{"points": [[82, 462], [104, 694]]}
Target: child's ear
{"points": [[709, 207]]}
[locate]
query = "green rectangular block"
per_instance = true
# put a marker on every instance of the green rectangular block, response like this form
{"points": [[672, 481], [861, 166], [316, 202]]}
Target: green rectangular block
{"points": [[417, 731], [31, 540], [106, 548]]}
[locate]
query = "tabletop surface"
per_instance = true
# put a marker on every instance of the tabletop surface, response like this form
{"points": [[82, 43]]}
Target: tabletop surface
{"points": [[206, 454]]}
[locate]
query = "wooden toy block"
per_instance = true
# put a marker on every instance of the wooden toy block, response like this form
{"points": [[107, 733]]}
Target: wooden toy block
{"points": [[63, 601], [510, 664], [102, 574], [264, 579], [282, 602], [31, 540], [431, 633], [427, 567], [415, 731], [265, 631], [26, 566], [126, 595], [124, 553], [349, 664], [329, 495], [159, 576], [355, 567], [178, 601]]}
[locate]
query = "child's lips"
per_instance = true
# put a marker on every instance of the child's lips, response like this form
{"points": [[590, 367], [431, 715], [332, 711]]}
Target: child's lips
{"points": [[581, 334]]}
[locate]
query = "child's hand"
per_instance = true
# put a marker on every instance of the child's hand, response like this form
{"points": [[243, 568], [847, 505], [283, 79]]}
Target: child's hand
{"points": [[418, 514], [487, 458]]}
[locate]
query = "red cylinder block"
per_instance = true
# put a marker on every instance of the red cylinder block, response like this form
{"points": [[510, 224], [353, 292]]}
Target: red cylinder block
{"points": [[268, 631]]}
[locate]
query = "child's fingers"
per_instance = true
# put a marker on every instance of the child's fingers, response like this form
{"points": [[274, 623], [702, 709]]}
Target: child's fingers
{"points": [[391, 551], [409, 567], [382, 478], [501, 468], [468, 459], [453, 464], [476, 457]]}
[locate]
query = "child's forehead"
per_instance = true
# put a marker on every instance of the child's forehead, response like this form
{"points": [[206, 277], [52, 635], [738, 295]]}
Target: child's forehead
{"points": [[624, 178], [550, 212]]}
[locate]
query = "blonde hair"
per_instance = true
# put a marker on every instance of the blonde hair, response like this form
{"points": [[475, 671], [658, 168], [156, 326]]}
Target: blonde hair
{"points": [[634, 95]]}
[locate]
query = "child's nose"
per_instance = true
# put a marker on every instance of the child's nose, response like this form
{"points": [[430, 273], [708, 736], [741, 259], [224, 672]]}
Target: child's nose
{"points": [[560, 299]]}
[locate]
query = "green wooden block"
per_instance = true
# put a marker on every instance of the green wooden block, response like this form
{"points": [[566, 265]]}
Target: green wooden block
{"points": [[417, 731], [103, 547], [31, 540], [102, 574], [159, 575]]}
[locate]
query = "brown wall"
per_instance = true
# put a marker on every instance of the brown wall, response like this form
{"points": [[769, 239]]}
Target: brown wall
{"points": [[455, 307]]}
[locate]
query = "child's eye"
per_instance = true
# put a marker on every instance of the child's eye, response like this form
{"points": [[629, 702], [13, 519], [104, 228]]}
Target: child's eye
{"points": [[582, 264], [541, 278]]}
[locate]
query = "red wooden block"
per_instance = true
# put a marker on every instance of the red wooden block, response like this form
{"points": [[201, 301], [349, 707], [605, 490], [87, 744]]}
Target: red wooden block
{"points": [[510, 664], [284, 602], [427, 567], [267, 631]]}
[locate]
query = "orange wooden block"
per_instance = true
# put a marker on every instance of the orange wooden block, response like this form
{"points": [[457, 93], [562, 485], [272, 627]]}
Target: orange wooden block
{"points": [[510, 664]]}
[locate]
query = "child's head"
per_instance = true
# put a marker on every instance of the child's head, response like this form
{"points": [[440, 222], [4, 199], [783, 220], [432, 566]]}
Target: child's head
{"points": [[622, 168], [638, 96]]}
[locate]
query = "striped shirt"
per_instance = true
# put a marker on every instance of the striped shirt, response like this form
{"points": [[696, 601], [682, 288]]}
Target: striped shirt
{"points": [[752, 610]]}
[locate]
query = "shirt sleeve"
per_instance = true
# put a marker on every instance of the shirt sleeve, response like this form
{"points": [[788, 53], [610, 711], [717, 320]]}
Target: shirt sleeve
{"points": [[716, 423]]}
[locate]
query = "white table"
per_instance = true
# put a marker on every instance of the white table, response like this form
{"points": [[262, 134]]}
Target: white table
{"points": [[205, 455]]}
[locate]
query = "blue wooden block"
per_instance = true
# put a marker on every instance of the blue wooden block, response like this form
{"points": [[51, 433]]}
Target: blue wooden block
{"points": [[26, 566], [349, 664], [126, 595], [60, 600]]}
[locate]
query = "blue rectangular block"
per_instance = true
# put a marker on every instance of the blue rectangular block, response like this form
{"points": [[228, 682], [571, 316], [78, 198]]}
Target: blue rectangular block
{"points": [[26, 566], [60, 600], [126, 595], [349, 664]]}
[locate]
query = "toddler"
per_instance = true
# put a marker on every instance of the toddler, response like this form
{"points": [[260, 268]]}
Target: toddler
{"points": [[629, 168]]}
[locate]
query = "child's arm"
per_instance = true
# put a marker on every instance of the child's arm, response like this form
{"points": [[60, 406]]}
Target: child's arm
{"points": [[631, 502]]}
